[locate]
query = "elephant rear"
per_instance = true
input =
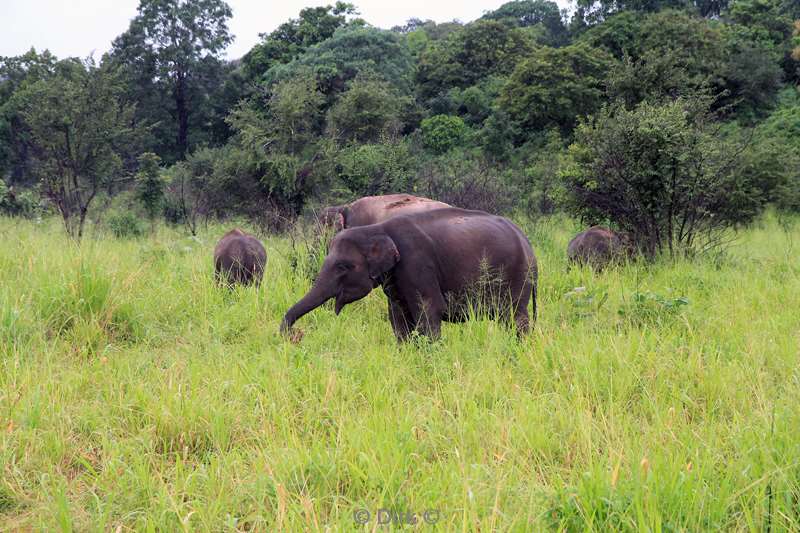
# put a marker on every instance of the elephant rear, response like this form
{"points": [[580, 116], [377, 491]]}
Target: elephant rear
{"points": [[484, 256], [239, 259]]}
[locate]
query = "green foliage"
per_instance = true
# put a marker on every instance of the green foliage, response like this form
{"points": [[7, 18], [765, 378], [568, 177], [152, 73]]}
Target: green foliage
{"points": [[659, 173], [465, 179], [125, 223], [16, 73], [778, 152], [542, 175], [651, 308], [527, 13], [291, 39], [440, 133], [79, 131], [292, 120], [483, 48], [672, 53], [351, 50], [475, 104], [554, 87], [369, 109], [170, 47], [370, 169], [19, 202], [150, 186]]}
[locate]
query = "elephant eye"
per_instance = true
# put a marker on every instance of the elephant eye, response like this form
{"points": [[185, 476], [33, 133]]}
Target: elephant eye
{"points": [[343, 267]]}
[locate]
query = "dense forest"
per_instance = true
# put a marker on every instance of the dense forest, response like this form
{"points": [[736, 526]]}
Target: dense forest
{"points": [[672, 120]]}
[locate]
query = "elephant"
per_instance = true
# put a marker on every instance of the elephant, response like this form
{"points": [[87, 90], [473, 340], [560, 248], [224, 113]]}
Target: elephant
{"points": [[597, 247], [239, 258], [433, 266], [375, 209]]}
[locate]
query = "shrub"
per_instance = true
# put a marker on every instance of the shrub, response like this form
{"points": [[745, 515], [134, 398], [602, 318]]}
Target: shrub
{"points": [[466, 182], [659, 173], [370, 169], [19, 203], [440, 133], [126, 224], [149, 185]]}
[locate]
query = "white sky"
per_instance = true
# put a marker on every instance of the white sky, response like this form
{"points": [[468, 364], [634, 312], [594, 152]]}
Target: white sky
{"points": [[80, 27]]}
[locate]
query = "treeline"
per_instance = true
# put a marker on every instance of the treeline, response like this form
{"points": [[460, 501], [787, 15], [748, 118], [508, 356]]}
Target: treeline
{"points": [[672, 120]]}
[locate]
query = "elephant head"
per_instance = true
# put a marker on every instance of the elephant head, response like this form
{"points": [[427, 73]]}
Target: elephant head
{"points": [[357, 262]]}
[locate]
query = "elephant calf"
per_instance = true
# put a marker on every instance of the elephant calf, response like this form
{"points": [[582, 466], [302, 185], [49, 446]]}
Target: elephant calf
{"points": [[432, 266], [597, 246], [239, 258], [375, 209]]}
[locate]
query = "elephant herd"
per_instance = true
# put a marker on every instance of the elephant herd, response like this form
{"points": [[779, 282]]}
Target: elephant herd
{"points": [[433, 261]]}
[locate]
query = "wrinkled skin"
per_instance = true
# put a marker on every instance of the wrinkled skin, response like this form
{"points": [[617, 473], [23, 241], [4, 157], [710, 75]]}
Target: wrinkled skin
{"points": [[432, 267], [597, 247], [239, 258], [375, 209]]}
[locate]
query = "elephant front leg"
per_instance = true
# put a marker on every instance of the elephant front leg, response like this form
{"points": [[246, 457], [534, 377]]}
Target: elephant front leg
{"points": [[400, 320], [428, 314]]}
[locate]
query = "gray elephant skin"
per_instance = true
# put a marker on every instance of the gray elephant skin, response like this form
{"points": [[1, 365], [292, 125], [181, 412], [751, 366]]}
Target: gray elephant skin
{"points": [[433, 266], [239, 258], [597, 247], [375, 209]]}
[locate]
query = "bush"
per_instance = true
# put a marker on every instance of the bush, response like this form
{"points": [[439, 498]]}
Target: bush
{"points": [[369, 109], [19, 203], [440, 133], [468, 183], [370, 169], [659, 173], [126, 224]]}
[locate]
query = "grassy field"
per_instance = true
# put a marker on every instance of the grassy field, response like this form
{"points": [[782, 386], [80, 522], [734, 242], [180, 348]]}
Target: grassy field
{"points": [[134, 395]]}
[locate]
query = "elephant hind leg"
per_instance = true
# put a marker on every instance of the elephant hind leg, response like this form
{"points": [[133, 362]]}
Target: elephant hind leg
{"points": [[521, 317], [523, 322]]}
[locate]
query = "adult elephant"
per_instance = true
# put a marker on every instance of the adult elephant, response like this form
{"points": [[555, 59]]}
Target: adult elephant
{"points": [[597, 246], [432, 266], [375, 209], [239, 258]]}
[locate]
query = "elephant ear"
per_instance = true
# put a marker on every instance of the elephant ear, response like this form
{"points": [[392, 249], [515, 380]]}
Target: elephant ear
{"points": [[341, 219], [382, 255]]}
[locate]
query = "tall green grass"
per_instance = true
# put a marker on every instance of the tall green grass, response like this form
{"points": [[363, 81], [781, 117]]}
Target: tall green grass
{"points": [[135, 395]]}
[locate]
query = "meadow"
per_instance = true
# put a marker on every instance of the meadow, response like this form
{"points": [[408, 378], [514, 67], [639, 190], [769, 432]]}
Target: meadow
{"points": [[137, 396]]}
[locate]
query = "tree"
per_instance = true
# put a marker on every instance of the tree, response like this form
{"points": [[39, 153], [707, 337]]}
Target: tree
{"points": [[481, 49], [531, 13], [593, 12], [554, 87], [79, 131], [367, 110], [661, 173], [281, 143], [167, 46], [291, 39], [440, 133], [149, 185], [352, 50], [16, 73]]}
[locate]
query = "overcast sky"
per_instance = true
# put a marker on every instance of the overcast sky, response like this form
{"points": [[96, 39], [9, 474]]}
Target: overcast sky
{"points": [[80, 27]]}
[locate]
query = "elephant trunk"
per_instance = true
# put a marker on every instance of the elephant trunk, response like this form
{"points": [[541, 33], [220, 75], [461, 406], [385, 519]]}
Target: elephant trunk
{"points": [[318, 295]]}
